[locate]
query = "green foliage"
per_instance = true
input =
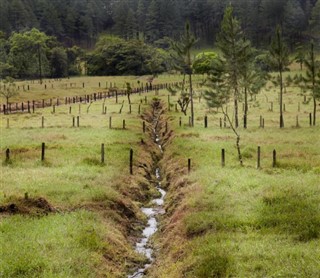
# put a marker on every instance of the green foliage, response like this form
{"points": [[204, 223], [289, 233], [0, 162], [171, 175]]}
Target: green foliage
{"points": [[115, 56], [203, 62], [279, 52], [58, 62], [8, 89]]}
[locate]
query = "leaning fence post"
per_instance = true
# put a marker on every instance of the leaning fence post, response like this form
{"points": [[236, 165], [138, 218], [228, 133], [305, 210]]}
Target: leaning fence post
{"points": [[43, 147], [131, 162]]}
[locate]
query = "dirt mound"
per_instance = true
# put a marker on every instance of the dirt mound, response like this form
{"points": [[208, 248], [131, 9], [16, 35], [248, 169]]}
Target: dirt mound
{"points": [[28, 206]]}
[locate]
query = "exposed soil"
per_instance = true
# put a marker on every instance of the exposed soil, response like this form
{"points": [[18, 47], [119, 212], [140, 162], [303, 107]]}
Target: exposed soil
{"points": [[32, 206]]}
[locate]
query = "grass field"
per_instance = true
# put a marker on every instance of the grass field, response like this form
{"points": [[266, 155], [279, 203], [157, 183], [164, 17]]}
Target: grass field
{"points": [[78, 216], [238, 221], [94, 204]]}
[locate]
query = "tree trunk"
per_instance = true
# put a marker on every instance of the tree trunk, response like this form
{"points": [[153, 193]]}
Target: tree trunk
{"points": [[281, 100], [191, 100], [314, 110], [245, 108], [236, 110]]}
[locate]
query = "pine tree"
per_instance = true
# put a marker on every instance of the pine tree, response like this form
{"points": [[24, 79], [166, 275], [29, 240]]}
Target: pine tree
{"points": [[312, 79], [294, 21], [153, 21], [314, 20], [182, 57], [280, 59], [233, 46]]}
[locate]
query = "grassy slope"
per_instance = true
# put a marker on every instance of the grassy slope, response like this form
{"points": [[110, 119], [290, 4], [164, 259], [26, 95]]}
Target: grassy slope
{"points": [[239, 221]]}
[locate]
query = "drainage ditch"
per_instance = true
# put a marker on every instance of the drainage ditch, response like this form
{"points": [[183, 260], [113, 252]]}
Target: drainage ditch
{"points": [[156, 208]]}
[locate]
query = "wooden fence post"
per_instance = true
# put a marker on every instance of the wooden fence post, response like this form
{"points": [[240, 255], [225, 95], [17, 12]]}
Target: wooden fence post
{"points": [[223, 158], [131, 162], [8, 124], [139, 109], [189, 165], [110, 122], [297, 121], [310, 119], [7, 155], [78, 121], [274, 159], [144, 126], [206, 122], [258, 157], [43, 147], [124, 124], [102, 153], [42, 122], [180, 121]]}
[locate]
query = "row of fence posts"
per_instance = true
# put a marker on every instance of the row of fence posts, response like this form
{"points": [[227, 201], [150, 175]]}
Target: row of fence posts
{"points": [[223, 159], [87, 98], [223, 121], [102, 159]]}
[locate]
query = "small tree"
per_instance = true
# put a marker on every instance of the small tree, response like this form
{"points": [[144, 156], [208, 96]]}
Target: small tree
{"points": [[182, 61], [128, 92], [235, 51], [280, 58], [312, 80], [8, 90], [219, 95]]}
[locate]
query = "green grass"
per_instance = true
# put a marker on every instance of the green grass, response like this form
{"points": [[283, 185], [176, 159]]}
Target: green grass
{"points": [[222, 221], [238, 221], [94, 202]]}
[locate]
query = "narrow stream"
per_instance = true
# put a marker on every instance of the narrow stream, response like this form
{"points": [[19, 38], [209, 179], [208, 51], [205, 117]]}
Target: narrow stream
{"points": [[143, 246]]}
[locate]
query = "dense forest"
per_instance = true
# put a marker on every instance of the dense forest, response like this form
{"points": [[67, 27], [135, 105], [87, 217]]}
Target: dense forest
{"points": [[81, 21], [42, 38]]}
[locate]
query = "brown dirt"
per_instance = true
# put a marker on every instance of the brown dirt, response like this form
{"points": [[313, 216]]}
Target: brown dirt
{"points": [[32, 206]]}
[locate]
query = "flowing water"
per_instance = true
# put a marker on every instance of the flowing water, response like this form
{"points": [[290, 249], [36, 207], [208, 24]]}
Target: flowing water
{"points": [[152, 212]]}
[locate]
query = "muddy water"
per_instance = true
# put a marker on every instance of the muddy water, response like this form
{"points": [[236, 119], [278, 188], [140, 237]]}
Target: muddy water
{"points": [[143, 246]]}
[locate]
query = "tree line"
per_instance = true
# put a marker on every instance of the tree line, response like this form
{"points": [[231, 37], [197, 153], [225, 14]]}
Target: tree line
{"points": [[81, 22]]}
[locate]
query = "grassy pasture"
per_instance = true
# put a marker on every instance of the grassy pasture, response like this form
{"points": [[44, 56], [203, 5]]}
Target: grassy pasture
{"points": [[87, 234], [237, 221], [78, 86], [232, 221]]}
